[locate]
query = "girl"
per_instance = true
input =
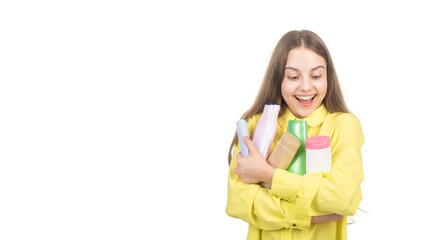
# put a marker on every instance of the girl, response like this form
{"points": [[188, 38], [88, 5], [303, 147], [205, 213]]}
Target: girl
{"points": [[302, 79]]}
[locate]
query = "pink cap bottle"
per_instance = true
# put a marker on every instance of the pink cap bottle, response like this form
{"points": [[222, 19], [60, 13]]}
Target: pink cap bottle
{"points": [[318, 154], [266, 129]]}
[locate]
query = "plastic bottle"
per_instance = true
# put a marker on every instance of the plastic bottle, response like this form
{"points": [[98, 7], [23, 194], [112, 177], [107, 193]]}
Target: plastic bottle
{"points": [[266, 129], [318, 154], [299, 130], [283, 153], [242, 130]]}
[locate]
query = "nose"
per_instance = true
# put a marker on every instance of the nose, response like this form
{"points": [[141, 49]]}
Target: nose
{"points": [[306, 84]]}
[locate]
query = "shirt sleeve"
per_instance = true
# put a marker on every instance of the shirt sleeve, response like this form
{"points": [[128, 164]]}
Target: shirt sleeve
{"points": [[259, 207], [338, 191]]}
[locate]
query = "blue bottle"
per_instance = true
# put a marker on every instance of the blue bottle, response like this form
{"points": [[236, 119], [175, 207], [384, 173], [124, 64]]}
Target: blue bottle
{"points": [[242, 130]]}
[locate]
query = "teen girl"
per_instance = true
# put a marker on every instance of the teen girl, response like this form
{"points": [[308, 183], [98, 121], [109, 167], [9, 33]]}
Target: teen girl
{"points": [[302, 79]]}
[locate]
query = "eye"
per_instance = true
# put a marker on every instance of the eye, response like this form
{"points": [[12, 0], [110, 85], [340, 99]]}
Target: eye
{"points": [[316, 76], [293, 77]]}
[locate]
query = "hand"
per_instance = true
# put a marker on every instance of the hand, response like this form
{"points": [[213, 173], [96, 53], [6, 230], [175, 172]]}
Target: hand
{"points": [[326, 218], [253, 168]]}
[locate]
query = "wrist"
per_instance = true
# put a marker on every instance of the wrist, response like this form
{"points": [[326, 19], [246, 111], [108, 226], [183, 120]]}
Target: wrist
{"points": [[268, 175]]}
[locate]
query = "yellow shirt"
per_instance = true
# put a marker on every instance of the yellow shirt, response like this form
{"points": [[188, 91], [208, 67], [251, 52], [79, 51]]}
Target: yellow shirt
{"points": [[285, 210]]}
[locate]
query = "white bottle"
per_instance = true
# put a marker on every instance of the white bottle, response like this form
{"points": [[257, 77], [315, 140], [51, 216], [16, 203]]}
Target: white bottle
{"points": [[266, 129], [318, 154]]}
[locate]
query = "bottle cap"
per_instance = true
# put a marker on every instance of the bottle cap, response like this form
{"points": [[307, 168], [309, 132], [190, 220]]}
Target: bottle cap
{"points": [[318, 142], [296, 126], [273, 109]]}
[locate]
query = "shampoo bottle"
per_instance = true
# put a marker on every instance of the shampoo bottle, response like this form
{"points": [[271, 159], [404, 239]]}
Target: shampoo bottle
{"points": [[299, 130], [266, 129]]}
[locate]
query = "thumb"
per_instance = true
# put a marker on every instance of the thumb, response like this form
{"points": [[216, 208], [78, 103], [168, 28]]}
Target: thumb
{"points": [[250, 145]]}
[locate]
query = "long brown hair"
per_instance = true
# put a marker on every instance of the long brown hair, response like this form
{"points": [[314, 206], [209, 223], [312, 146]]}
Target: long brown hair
{"points": [[270, 91]]}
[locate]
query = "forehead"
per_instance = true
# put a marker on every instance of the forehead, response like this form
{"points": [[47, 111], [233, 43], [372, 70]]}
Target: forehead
{"points": [[304, 59]]}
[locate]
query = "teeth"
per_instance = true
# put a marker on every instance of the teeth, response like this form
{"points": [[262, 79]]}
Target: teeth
{"points": [[305, 97]]}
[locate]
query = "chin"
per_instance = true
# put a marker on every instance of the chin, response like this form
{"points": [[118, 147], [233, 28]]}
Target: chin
{"points": [[305, 113]]}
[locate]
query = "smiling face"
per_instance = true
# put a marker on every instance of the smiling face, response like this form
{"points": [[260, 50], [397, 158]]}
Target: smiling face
{"points": [[305, 81]]}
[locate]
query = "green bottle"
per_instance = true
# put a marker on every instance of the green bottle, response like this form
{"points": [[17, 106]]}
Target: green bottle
{"points": [[299, 130]]}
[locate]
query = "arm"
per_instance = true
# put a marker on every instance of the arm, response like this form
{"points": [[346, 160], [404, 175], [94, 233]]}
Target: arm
{"points": [[257, 206], [326, 218], [337, 191]]}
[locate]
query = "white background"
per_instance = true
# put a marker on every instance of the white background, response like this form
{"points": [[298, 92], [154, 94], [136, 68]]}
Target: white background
{"points": [[116, 116]]}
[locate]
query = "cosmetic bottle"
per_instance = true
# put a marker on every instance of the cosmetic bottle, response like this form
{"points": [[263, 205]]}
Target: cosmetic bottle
{"points": [[266, 129], [318, 154], [242, 130], [299, 130], [282, 155]]}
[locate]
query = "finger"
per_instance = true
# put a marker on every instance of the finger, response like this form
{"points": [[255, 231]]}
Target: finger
{"points": [[250, 145], [239, 156]]}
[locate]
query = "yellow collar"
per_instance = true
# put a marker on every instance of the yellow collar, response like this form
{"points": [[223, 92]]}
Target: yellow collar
{"points": [[314, 120]]}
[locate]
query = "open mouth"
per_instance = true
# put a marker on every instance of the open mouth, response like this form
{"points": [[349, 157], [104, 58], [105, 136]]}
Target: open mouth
{"points": [[305, 100]]}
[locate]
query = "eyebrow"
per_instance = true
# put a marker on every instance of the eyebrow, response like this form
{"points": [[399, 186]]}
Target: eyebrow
{"points": [[320, 66]]}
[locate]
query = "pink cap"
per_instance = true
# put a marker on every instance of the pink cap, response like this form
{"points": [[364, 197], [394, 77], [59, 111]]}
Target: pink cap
{"points": [[318, 142]]}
